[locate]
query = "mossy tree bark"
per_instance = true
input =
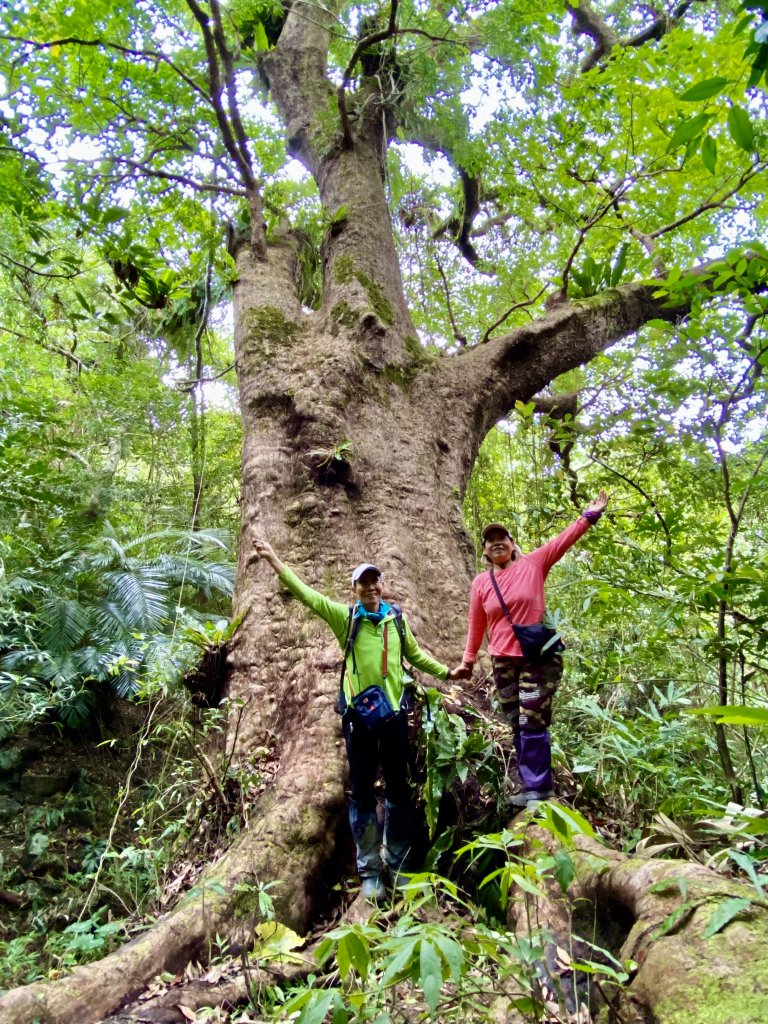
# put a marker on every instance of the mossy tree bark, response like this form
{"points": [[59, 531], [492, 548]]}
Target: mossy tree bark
{"points": [[358, 445]]}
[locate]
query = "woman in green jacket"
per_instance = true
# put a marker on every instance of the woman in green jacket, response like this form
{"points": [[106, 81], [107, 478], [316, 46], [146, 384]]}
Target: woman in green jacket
{"points": [[373, 659]]}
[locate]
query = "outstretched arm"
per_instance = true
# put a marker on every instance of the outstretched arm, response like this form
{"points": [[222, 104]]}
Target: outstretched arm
{"points": [[596, 507], [333, 612], [554, 550]]}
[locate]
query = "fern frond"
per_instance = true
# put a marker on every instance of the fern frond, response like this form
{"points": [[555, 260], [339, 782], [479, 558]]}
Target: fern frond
{"points": [[63, 623]]}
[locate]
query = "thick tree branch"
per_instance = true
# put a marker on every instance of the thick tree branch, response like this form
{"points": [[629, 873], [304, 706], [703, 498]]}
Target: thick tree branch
{"points": [[296, 72], [481, 384], [587, 22]]}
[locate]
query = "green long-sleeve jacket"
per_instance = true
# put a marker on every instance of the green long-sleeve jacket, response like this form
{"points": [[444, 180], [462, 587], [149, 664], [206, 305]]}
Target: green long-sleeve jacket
{"points": [[369, 644]]}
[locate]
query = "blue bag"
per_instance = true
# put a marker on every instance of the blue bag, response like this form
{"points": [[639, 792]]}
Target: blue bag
{"points": [[373, 708]]}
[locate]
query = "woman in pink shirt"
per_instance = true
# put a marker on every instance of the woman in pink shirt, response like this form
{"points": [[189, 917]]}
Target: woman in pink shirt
{"points": [[525, 684]]}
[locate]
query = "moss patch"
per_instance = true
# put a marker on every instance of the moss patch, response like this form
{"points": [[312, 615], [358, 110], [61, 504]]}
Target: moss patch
{"points": [[344, 271], [711, 1002], [342, 315], [269, 326]]}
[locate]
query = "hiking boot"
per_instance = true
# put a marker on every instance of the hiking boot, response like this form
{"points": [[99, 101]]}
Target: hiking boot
{"points": [[530, 797], [373, 889]]}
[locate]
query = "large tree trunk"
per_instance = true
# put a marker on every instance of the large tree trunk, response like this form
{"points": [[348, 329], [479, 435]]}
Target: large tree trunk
{"points": [[358, 445]]}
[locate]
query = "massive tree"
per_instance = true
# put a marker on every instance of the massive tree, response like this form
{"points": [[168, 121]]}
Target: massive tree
{"points": [[570, 191]]}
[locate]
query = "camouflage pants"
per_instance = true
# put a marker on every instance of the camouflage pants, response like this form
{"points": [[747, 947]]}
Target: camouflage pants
{"points": [[526, 690]]}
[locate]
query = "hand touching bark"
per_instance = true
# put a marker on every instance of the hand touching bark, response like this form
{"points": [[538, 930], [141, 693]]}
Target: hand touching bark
{"points": [[264, 550]]}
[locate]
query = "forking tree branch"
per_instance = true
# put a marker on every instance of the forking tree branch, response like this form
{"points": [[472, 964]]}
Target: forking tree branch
{"points": [[586, 21], [484, 382], [221, 76]]}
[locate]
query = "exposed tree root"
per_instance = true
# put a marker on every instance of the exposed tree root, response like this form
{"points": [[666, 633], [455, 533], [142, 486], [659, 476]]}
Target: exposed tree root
{"points": [[292, 844], [653, 913]]}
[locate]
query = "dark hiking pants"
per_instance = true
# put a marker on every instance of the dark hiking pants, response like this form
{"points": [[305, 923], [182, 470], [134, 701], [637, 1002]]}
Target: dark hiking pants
{"points": [[366, 750]]}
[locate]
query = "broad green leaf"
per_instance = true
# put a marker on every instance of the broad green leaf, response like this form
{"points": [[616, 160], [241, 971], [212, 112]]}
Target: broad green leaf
{"points": [[724, 914], [452, 953], [688, 130], [705, 90], [740, 128], [709, 154], [353, 951], [430, 974], [564, 869], [671, 921], [400, 962], [727, 714], [747, 865], [260, 40], [113, 214]]}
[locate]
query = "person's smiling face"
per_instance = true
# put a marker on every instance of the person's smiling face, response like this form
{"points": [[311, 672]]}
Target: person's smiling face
{"points": [[498, 547], [367, 590]]}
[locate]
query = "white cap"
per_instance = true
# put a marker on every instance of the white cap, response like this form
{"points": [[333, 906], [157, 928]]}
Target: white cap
{"points": [[364, 567]]}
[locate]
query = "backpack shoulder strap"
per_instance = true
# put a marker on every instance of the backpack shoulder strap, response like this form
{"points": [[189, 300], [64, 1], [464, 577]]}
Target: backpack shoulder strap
{"points": [[349, 644], [400, 627]]}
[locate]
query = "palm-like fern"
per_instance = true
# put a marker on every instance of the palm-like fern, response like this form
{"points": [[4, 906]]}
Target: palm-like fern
{"points": [[110, 617]]}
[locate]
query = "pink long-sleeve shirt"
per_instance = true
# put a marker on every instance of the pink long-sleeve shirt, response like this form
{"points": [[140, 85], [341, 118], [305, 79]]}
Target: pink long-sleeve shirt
{"points": [[522, 585]]}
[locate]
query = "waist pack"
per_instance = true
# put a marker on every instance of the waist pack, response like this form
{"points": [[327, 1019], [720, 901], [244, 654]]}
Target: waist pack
{"points": [[373, 708], [538, 642]]}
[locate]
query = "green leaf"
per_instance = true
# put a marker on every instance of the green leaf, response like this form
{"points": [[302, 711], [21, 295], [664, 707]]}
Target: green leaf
{"points": [[705, 89], [740, 128], [564, 869], [400, 963], [260, 41], [709, 154], [452, 953], [733, 714], [724, 913], [746, 864], [354, 952], [671, 921], [316, 1008], [688, 130], [430, 974], [113, 214]]}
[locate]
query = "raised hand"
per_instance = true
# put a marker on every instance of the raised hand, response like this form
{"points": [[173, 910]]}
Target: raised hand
{"points": [[263, 549], [598, 504]]}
